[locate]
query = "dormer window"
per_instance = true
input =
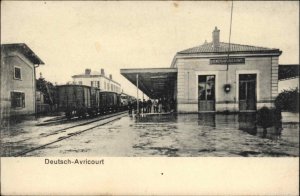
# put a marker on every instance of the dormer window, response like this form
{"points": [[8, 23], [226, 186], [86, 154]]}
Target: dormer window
{"points": [[17, 73]]}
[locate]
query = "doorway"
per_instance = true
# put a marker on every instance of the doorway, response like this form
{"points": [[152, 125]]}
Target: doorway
{"points": [[206, 93], [247, 92]]}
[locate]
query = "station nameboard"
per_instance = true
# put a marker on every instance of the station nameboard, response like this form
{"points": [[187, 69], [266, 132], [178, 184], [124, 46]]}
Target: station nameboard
{"points": [[221, 61]]}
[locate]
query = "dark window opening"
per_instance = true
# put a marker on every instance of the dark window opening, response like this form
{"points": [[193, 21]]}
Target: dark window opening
{"points": [[17, 73], [17, 100]]}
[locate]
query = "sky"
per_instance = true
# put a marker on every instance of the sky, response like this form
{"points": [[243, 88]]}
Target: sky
{"points": [[70, 36]]}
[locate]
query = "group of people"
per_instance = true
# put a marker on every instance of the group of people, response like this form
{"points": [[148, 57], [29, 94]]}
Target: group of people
{"points": [[153, 106]]}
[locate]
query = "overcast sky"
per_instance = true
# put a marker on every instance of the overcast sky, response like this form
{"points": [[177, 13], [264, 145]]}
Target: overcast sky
{"points": [[72, 36]]}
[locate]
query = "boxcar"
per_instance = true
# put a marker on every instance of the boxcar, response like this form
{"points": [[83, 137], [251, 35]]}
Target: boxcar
{"points": [[80, 100], [109, 102], [75, 100], [95, 102]]}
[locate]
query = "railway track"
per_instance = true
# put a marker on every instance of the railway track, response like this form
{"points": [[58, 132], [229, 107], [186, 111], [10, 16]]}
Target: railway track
{"points": [[60, 120], [67, 132]]}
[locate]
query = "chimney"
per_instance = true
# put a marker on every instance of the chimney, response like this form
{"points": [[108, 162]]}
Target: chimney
{"points": [[216, 38], [87, 71], [102, 72], [110, 76]]}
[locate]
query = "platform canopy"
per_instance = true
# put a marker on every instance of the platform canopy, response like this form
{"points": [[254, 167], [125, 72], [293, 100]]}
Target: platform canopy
{"points": [[154, 82]]}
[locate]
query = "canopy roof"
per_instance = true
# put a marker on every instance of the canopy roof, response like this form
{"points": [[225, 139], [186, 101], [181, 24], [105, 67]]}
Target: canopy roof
{"points": [[154, 82]]}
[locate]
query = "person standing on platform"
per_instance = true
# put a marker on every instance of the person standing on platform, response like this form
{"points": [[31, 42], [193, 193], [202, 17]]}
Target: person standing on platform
{"points": [[155, 106], [129, 108], [163, 103], [140, 106], [134, 106], [172, 105], [149, 104], [144, 105], [159, 105]]}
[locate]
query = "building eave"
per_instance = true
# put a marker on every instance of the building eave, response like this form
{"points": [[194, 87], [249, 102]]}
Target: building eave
{"points": [[25, 50], [224, 54]]}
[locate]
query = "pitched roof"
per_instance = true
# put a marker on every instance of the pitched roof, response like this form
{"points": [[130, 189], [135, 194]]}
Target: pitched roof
{"points": [[223, 48], [25, 50]]}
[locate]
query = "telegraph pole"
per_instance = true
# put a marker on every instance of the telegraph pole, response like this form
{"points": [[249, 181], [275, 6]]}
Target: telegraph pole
{"points": [[137, 93]]}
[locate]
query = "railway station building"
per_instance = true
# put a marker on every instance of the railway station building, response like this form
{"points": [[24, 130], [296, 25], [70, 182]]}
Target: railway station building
{"points": [[18, 89], [214, 77], [97, 79]]}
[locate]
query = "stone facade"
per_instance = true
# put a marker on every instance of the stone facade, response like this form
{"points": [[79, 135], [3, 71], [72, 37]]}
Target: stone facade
{"points": [[187, 82]]}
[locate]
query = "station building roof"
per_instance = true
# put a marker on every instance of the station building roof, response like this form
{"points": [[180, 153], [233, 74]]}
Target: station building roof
{"points": [[25, 50], [154, 82], [224, 48]]}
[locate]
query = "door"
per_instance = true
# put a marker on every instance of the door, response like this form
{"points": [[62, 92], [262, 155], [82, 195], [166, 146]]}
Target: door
{"points": [[247, 92], [206, 93]]}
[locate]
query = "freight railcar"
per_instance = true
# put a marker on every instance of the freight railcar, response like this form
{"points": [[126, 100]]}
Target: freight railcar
{"points": [[77, 100], [80, 100], [109, 102]]}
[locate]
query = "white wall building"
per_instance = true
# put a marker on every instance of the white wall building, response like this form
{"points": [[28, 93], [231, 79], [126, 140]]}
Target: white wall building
{"points": [[17, 80], [97, 79]]}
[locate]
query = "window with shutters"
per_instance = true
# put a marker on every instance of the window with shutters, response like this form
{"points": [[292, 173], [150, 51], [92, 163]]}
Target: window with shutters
{"points": [[17, 100]]}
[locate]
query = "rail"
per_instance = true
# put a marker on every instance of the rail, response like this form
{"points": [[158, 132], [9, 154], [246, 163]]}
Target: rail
{"points": [[109, 118]]}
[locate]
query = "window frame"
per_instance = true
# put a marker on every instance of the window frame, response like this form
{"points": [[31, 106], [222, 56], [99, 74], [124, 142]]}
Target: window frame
{"points": [[15, 78], [206, 83], [21, 100]]}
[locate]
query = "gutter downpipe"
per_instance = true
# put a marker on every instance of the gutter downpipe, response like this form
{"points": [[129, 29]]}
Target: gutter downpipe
{"points": [[35, 105]]}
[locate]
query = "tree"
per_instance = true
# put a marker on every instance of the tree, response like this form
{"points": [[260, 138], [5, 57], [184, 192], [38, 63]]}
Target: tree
{"points": [[288, 100], [48, 89]]}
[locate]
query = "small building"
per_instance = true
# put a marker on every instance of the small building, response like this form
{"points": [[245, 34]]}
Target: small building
{"points": [[214, 76], [98, 80], [18, 89]]}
